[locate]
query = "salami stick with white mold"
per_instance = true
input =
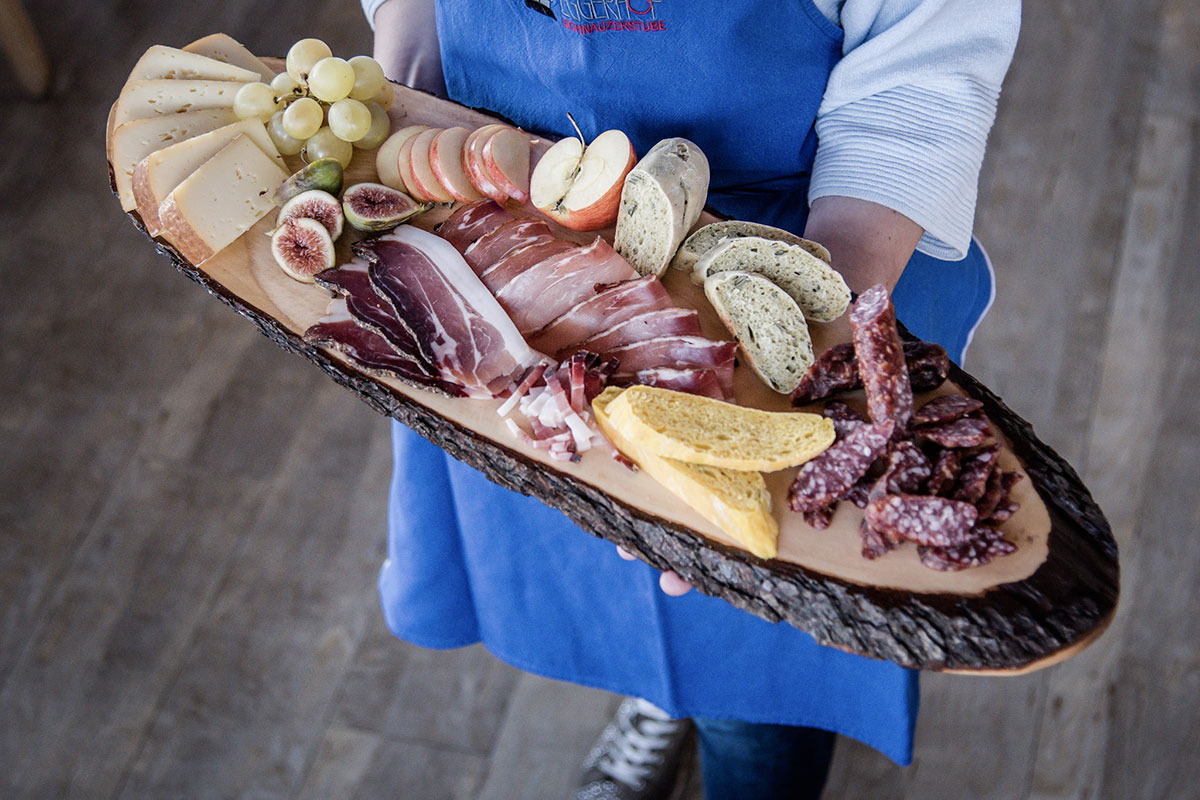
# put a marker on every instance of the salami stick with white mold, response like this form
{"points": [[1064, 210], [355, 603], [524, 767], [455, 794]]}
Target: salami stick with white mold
{"points": [[881, 360]]}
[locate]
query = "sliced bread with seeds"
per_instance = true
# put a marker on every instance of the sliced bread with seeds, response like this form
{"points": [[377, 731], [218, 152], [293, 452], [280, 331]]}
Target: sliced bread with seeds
{"points": [[708, 237], [816, 287], [767, 323]]}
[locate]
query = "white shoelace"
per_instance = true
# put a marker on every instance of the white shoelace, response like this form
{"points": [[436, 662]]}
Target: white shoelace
{"points": [[633, 752]]}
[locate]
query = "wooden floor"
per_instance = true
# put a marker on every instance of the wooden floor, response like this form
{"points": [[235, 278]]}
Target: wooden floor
{"points": [[187, 561]]}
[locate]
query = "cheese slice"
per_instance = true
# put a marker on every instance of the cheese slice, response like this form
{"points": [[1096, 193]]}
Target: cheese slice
{"points": [[161, 62], [135, 140], [223, 47], [143, 99], [161, 171], [221, 200]]}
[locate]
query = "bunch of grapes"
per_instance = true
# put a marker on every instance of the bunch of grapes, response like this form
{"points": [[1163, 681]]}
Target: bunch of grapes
{"points": [[323, 105]]}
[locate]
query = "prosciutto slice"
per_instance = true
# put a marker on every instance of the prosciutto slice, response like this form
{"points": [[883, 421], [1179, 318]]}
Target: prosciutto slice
{"points": [[610, 306], [370, 352], [472, 221], [517, 261], [556, 285], [452, 315], [494, 245], [703, 382], [650, 325], [679, 352]]}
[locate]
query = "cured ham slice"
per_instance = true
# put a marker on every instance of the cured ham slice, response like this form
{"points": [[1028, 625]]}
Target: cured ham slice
{"points": [[703, 382], [497, 276], [610, 306], [338, 330], [472, 221], [556, 285], [679, 352], [495, 244], [651, 325], [452, 315], [370, 310]]}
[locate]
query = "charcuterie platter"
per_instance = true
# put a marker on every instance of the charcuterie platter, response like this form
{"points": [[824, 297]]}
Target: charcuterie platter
{"points": [[1051, 593]]}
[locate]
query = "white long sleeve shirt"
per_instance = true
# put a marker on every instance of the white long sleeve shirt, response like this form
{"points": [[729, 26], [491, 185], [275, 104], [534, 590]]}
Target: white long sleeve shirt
{"points": [[906, 113]]}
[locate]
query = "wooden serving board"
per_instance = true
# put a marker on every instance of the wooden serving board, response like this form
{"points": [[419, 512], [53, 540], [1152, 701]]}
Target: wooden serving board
{"points": [[1022, 612]]}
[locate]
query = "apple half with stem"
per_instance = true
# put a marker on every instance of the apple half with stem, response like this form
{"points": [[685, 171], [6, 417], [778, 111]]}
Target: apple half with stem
{"points": [[580, 187]]}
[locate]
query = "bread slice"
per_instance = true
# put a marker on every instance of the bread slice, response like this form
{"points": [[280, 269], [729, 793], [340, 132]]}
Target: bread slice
{"points": [[710, 236], [767, 324], [700, 430], [661, 200], [816, 287], [737, 502]]}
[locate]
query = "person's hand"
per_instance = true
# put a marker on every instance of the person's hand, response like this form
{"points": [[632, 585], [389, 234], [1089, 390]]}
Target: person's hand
{"points": [[669, 581]]}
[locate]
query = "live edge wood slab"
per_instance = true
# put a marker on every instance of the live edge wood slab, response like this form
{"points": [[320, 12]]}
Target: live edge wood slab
{"points": [[1051, 600]]}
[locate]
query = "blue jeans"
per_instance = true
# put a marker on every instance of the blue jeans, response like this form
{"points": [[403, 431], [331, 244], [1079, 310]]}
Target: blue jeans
{"points": [[755, 761]]}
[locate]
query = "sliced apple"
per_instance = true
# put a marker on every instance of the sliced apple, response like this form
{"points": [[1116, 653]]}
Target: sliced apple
{"points": [[404, 167], [506, 158], [386, 157], [422, 172], [473, 166], [445, 157], [580, 187]]}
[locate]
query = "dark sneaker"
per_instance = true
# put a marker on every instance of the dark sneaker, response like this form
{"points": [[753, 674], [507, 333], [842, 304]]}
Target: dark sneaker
{"points": [[637, 757]]}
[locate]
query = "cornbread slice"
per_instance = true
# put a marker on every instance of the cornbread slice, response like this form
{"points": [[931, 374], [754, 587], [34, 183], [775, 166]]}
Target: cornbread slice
{"points": [[817, 288], [708, 237], [736, 502], [700, 430]]}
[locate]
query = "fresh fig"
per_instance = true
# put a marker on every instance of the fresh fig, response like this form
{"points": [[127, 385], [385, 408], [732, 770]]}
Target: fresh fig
{"points": [[324, 174], [375, 207], [314, 204], [302, 247]]}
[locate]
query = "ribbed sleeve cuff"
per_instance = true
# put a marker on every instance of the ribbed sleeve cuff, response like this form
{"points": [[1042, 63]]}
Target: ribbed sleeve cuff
{"points": [[914, 149], [369, 8]]}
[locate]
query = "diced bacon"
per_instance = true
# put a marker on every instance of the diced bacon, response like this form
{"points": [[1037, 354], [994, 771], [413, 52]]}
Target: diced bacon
{"points": [[610, 306], [494, 245], [517, 261], [472, 221]]}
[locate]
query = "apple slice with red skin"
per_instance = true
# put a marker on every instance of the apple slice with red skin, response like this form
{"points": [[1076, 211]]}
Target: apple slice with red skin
{"points": [[474, 167], [387, 163], [580, 187], [426, 181], [404, 166], [505, 156], [445, 157]]}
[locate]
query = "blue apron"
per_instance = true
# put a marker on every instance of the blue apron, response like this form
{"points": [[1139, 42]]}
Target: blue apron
{"points": [[469, 561]]}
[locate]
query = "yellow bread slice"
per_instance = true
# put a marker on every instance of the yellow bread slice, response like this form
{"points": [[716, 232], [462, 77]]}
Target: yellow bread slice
{"points": [[135, 140], [221, 200], [700, 430], [736, 502], [160, 172], [143, 99], [223, 47], [162, 62]]}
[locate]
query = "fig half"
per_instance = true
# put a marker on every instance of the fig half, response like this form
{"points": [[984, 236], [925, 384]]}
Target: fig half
{"points": [[314, 204], [302, 247], [374, 207]]}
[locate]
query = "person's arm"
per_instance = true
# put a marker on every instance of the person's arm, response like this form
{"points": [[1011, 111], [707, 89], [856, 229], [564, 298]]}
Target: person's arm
{"points": [[406, 42]]}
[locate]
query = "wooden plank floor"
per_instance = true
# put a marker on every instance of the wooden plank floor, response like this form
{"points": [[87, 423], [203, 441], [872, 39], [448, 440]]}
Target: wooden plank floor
{"points": [[187, 563]]}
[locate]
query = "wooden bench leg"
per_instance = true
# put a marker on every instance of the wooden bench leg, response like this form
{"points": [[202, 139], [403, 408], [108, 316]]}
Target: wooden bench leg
{"points": [[23, 47]]}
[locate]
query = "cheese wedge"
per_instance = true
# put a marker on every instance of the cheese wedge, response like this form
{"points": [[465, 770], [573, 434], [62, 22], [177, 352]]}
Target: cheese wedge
{"points": [[161, 62], [160, 172], [145, 99], [135, 140], [222, 47], [737, 502], [221, 200]]}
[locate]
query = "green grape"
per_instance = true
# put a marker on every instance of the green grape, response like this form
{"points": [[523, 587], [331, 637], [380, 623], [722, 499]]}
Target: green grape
{"points": [[381, 126], [324, 144], [286, 145], [286, 87], [303, 118], [349, 119], [331, 79], [254, 101], [387, 94], [302, 55], [368, 78]]}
